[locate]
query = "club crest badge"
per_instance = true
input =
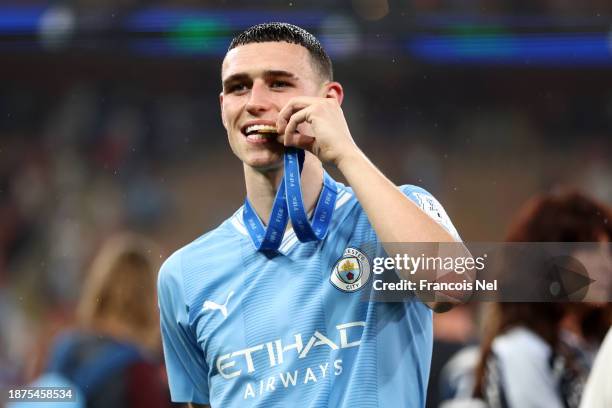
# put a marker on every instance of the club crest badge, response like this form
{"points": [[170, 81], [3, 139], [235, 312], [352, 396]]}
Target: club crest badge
{"points": [[351, 272]]}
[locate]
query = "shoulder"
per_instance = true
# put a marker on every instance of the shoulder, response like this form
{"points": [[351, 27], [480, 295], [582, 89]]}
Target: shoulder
{"points": [[597, 392], [526, 372], [195, 258], [431, 206], [420, 196], [521, 344], [423, 199]]}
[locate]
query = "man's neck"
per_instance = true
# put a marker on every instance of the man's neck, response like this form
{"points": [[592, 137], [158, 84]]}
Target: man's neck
{"points": [[262, 186]]}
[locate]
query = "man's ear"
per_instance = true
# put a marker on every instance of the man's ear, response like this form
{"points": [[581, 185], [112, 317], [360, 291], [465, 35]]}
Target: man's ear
{"points": [[221, 105], [334, 90]]}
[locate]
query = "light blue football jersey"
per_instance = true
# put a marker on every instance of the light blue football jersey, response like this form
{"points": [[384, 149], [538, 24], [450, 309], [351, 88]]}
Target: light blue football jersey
{"points": [[244, 329]]}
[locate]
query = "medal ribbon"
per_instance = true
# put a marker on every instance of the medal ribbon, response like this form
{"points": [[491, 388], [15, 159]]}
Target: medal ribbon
{"points": [[289, 203]]}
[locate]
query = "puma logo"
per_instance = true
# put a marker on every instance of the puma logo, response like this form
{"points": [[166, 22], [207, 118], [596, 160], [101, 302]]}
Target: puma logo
{"points": [[210, 305]]}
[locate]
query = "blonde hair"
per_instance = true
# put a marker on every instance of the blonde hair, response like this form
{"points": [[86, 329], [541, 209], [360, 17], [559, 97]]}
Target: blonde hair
{"points": [[119, 293]]}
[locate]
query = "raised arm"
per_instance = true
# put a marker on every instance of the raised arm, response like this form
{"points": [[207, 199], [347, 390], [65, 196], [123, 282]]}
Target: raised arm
{"points": [[394, 217]]}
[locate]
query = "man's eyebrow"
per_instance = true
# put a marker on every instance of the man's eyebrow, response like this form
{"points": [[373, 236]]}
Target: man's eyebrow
{"points": [[279, 73], [234, 78], [274, 73]]}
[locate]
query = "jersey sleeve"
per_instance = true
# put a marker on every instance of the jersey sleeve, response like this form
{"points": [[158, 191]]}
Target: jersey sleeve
{"points": [[431, 207], [185, 364]]}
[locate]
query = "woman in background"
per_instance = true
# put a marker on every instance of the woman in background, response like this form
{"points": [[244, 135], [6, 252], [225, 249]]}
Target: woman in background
{"points": [[526, 360], [598, 393], [113, 359]]}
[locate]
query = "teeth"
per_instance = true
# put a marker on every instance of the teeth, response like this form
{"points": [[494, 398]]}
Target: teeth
{"points": [[260, 129], [257, 136]]}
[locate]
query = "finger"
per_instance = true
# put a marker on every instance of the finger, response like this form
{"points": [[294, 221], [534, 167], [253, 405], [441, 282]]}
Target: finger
{"points": [[294, 105], [303, 141], [299, 140], [289, 139], [285, 115], [297, 118]]}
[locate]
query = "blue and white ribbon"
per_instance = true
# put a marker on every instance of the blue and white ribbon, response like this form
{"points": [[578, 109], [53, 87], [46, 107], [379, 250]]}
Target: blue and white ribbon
{"points": [[289, 203]]}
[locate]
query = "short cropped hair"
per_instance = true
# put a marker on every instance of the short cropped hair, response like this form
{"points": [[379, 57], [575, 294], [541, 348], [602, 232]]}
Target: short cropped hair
{"points": [[285, 32]]}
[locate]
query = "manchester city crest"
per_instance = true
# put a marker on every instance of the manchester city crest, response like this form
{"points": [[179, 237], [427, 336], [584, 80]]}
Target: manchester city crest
{"points": [[351, 272]]}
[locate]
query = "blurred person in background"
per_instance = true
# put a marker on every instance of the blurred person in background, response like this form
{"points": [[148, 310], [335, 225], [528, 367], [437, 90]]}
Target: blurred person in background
{"points": [[453, 331], [539, 354], [13, 340], [598, 393], [526, 359], [113, 358]]}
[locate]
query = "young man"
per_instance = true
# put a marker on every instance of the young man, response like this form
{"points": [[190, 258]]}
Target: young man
{"points": [[244, 327]]}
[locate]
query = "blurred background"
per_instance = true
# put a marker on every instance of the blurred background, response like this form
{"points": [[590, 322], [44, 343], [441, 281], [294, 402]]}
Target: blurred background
{"points": [[109, 120]]}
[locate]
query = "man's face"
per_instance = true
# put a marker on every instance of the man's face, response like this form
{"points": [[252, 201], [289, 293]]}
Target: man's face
{"points": [[258, 81]]}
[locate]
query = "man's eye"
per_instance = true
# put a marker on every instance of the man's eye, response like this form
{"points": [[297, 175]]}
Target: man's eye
{"points": [[279, 84], [236, 88]]}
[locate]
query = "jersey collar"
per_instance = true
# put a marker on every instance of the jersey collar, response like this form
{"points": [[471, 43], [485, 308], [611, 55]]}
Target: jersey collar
{"points": [[290, 240]]}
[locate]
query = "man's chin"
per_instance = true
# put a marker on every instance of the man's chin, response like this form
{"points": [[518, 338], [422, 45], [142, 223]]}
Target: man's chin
{"points": [[265, 164]]}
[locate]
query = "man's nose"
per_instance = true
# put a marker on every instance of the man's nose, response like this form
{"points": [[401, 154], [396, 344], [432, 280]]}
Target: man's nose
{"points": [[259, 99]]}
